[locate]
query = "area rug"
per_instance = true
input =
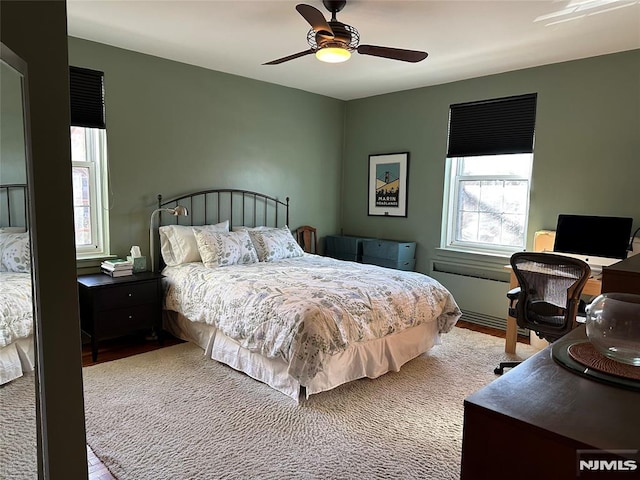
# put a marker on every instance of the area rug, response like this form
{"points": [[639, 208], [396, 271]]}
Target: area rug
{"points": [[174, 414], [18, 444]]}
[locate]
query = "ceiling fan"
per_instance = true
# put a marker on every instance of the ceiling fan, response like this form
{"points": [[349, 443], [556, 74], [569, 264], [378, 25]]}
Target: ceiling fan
{"points": [[333, 41]]}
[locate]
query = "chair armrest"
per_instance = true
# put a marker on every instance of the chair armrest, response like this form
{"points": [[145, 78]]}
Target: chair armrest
{"points": [[513, 295]]}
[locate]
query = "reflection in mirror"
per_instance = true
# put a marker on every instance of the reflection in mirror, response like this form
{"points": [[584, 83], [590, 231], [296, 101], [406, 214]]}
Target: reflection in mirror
{"points": [[18, 432]]}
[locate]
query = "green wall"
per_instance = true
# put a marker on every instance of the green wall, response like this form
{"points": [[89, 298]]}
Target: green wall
{"points": [[586, 155], [173, 128], [12, 159]]}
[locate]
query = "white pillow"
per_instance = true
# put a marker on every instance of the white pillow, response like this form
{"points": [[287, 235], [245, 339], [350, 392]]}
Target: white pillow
{"points": [[275, 244], [15, 253], [178, 244], [219, 249], [249, 229]]}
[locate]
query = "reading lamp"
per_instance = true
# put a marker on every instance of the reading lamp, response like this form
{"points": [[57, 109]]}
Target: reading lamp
{"points": [[177, 211]]}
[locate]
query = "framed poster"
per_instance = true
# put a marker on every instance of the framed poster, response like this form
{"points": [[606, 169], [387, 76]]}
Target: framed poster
{"points": [[388, 184]]}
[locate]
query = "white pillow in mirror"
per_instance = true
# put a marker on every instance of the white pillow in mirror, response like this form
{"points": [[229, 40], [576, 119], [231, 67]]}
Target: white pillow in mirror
{"points": [[219, 249], [16, 252], [275, 244], [178, 244], [7, 235]]}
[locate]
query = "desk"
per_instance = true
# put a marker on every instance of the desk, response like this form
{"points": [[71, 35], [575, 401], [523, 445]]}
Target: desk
{"points": [[528, 423], [592, 288]]}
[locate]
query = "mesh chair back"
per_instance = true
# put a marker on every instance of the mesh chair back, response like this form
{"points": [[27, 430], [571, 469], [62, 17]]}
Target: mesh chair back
{"points": [[550, 288]]}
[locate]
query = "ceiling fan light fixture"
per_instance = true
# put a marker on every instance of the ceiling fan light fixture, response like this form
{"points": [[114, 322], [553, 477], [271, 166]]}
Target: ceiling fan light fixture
{"points": [[334, 42], [333, 54]]}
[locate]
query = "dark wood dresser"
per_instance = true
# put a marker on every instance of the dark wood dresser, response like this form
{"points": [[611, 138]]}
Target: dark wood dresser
{"points": [[623, 277]]}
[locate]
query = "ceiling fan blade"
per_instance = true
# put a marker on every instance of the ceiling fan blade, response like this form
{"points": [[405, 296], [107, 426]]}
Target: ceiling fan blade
{"points": [[315, 19], [412, 56], [290, 57]]}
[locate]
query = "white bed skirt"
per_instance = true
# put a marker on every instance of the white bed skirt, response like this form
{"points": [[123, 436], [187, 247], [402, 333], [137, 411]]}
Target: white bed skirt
{"points": [[370, 359], [17, 358]]}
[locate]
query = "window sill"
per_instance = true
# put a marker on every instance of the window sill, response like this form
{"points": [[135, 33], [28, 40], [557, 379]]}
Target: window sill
{"points": [[90, 257], [90, 263]]}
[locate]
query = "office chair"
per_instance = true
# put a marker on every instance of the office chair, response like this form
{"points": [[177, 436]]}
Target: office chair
{"points": [[307, 238], [548, 295]]}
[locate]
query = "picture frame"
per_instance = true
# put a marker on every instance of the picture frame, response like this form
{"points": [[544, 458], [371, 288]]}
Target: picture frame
{"points": [[388, 182]]}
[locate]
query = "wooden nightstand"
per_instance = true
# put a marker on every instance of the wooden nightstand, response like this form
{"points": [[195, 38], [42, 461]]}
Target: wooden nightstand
{"points": [[115, 307]]}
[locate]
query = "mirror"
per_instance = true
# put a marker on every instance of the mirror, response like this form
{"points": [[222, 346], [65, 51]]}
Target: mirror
{"points": [[18, 379]]}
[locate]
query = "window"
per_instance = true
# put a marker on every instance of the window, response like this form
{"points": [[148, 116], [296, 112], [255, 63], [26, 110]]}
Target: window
{"points": [[89, 162], [488, 202], [488, 175], [88, 158]]}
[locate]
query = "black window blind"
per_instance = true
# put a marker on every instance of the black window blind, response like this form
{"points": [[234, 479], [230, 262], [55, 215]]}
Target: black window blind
{"points": [[87, 97], [492, 127]]}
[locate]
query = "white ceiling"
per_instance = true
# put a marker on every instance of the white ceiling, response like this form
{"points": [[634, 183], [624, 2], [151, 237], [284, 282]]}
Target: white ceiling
{"points": [[464, 39]]}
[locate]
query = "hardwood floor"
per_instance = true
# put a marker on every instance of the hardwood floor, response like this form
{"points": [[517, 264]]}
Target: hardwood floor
{"points": [[122, 347], [127, 346], [97, 470]]}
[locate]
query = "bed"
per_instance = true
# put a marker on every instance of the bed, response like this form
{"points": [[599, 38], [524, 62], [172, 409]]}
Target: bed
{"points": [[17, 353], [238, 285]]}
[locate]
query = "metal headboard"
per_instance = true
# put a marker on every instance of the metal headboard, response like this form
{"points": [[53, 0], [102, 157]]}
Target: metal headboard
{"points": [[13, 205], [240, 207]]}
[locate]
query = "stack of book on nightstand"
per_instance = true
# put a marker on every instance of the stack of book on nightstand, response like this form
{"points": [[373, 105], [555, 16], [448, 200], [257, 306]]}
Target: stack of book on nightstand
{"points": [[117, 267]]}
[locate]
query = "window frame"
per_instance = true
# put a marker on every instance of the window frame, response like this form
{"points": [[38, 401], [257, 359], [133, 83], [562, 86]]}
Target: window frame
{"points": [[96, 154], [451, 210]]}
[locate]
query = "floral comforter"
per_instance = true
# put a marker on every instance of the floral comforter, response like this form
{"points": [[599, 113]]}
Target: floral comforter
{"points": [[16, 310], [305, 309]]}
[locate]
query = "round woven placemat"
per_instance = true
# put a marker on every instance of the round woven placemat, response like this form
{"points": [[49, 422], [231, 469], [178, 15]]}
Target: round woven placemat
{"points": [[586, 354]]}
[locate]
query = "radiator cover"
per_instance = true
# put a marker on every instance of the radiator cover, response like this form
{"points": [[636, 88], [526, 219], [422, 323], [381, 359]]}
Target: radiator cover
{"points": [[489, 321]]}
